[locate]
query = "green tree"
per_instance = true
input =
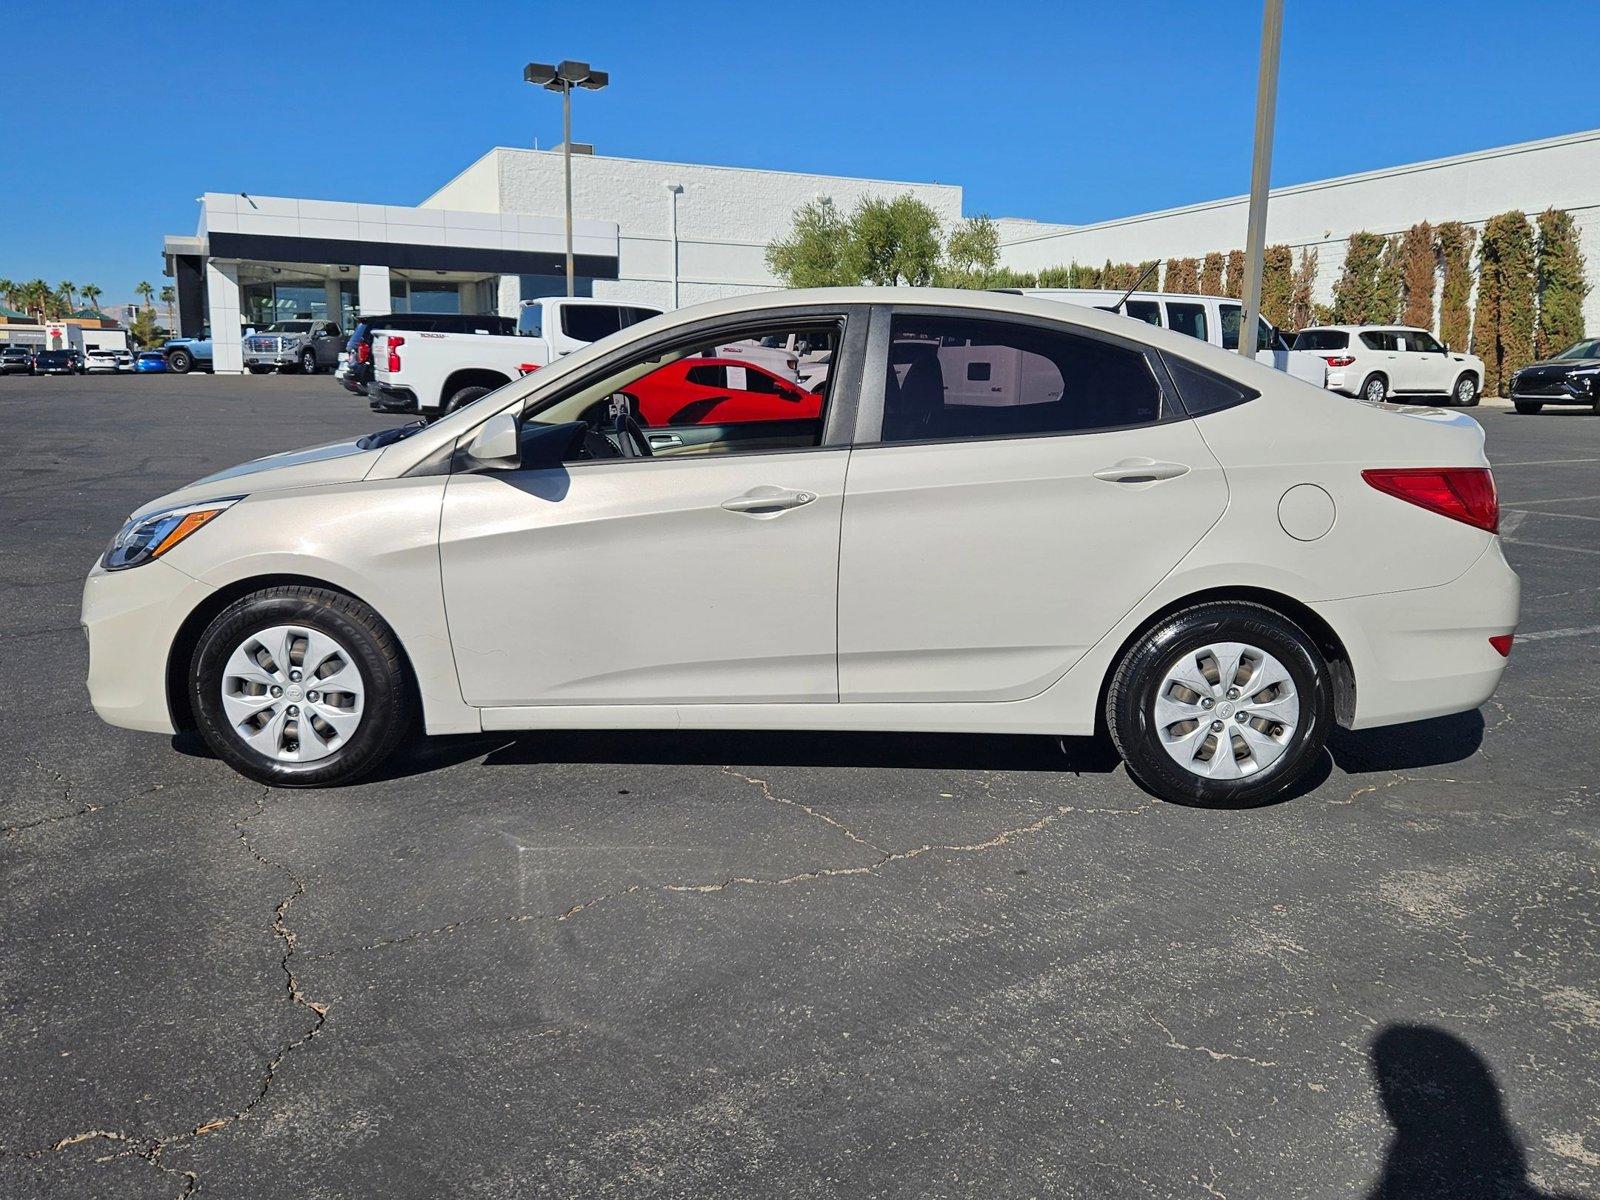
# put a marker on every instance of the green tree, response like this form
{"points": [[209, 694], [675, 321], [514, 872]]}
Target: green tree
{"points": [[1388, 288], [1084, 277], [1502, 326], [1211, 275], [1005, 277], [144, 331], [1301, 309], [1277, 285], [972, 253], [1183, 275], [1419, 263], [1455, 289], [169, 297], [68, 292], [813, 253], [1561, 284], [91, 296], [893, 242], [1055, 277], [145, 292], [1233, 281], [1355, 292]]}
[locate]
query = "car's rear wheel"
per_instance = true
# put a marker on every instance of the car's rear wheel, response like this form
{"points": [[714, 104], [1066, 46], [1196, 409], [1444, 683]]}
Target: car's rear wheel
{"points": [[299, 686], [180, 361], [1465, 393], [1527, 407], [1221, 704], [1374, 389], [465, 396]]}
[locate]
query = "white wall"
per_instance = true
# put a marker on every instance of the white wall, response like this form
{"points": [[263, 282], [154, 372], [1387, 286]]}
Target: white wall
{"points": [[1559, 172], [726, 215]]}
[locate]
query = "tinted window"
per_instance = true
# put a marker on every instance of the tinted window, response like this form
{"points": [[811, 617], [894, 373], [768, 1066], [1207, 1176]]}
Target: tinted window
{"points": [[1204, 391], [1147, 311], [590, 322], [1423, 343], [1322, 339], [633, 315], [1232, 316], [1375, 340], [1187, 318], [1030, 381], [530, 321]]}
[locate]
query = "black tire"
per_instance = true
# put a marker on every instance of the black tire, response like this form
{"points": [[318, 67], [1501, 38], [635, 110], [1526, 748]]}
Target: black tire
{"points": [[389, 708], [1130, 702], [180, 362], [1383, 388], [308, 362], [1465, 392], [259, 370], [465, 395], [1528, 407]]}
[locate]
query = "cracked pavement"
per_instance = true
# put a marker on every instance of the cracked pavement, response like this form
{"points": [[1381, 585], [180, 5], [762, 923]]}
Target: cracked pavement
{"points": [[810, 965]]}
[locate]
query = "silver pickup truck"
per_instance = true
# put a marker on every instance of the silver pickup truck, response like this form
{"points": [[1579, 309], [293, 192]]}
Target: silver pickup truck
{"points": [[306, 346]]}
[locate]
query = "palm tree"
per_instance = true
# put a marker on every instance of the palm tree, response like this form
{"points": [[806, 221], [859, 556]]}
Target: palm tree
{"points": [[37, 298], [66, 289], [91, 296], [167, 298], [8, 289], [145, 292]]}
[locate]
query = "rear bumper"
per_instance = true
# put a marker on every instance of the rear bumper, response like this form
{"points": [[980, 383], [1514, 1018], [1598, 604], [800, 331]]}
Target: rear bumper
{"points": [[1426, 653], [383, 398], [131, 618]]}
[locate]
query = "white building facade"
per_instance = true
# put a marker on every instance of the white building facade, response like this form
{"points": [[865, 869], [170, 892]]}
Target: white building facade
{"points": [[1561, 172]]}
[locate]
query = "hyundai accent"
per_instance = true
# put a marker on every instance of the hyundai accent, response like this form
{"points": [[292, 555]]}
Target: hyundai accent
{"points": [[1003, 515]]}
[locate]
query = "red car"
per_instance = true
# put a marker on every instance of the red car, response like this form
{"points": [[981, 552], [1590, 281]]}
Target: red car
{"points": [[719, 391]]}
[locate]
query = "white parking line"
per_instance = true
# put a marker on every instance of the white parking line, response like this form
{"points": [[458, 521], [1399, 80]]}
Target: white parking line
{"points": [[1548, 546], [1543, 462], [1523, 512], [1557, 500], [1541, 635]]}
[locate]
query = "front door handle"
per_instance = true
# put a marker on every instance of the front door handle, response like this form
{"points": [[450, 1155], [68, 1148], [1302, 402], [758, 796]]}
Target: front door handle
{"points": [[1140, 470], [767, 499]]}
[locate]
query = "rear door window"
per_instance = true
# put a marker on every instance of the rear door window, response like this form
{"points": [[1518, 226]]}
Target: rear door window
{"points": [[1147, 311], [1187, 318], [591, 322], [1377, 339]]}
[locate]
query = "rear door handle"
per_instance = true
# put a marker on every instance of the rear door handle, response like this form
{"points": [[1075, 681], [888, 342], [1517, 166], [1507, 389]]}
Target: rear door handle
{"points": [[767, 499], [1140, 470]]}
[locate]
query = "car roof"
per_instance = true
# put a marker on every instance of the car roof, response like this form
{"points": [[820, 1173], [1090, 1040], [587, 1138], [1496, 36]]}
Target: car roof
{"points": [[1361, 328]]}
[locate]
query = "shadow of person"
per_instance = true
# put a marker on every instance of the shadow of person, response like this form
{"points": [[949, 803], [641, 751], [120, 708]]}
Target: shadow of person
{"points": [[1451, 1137]]}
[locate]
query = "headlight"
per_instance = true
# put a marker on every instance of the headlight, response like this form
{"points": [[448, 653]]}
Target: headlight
{"points": [[145, 538]]}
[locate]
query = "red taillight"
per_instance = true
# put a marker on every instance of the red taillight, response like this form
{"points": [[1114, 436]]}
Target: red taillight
{"points": [[364, 352], [1461, 493], [394, 353], [1338, 360], [1502, 643]]}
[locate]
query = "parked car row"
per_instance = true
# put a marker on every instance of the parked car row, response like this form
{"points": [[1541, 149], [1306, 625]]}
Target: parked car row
{"points": [[31, 360]]}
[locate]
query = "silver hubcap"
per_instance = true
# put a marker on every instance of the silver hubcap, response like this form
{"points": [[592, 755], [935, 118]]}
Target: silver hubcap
{"points": [[292, 693], [1226, 711], [1375, 391], [1464, 390]]}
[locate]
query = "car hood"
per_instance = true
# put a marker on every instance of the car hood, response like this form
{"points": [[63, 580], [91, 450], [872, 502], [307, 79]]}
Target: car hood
{"points": [[318, 466]]}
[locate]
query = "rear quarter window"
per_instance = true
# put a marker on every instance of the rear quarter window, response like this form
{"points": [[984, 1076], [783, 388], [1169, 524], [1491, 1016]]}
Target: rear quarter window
{"points": [[1201, 391]]}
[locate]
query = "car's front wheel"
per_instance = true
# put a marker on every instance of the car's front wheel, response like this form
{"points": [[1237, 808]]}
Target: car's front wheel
{"points": [[308, 362], [1527, 408], [1221, 704], [1466, 392], [298, 686]]}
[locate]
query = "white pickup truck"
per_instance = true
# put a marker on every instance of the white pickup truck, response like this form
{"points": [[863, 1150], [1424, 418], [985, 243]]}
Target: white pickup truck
{"points": [[430, 373]]}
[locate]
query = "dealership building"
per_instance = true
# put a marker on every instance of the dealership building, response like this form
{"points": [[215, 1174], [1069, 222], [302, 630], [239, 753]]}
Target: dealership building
{"points": [[671, 234]]}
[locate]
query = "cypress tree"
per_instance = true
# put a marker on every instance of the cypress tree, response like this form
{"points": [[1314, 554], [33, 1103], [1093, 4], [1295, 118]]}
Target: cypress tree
{"points": [[1233, 284], [1355, 292], [1502, 327], [1277, 285], [1386, 291], [1211, 275], [1419, 263], [1301, 310], [1455, 290], [1055, 276], [1561, 284], [1183, 275]]}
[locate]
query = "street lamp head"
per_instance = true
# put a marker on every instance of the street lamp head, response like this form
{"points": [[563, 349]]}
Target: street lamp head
{"points": [[539, 74], [596, 80], [572, 72]]}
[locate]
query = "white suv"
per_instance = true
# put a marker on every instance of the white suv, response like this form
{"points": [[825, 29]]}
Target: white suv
{"points": [[1375, 362]]}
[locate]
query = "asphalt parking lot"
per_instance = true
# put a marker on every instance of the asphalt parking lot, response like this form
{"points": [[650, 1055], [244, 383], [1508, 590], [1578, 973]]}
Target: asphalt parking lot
{"points": [[779, 965]]}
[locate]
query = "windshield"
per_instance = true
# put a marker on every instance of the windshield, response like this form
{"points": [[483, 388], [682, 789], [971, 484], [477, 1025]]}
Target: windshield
{"points": [[1589, 349], [288, 327]]}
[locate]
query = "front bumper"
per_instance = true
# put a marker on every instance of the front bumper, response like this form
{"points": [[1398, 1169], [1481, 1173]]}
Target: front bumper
{"points": [[1426, 653], [131, 618], [280, 358]]}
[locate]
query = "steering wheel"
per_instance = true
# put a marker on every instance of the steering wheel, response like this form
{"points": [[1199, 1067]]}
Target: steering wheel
{"points": [[630, 438]]}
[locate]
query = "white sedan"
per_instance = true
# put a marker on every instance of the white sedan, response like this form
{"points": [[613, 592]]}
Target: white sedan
{"points": [[999, 515], [110, 361]]}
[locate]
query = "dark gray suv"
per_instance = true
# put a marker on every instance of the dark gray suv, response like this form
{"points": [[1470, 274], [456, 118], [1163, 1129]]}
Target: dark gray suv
{"points": [[16, 360], [306, 346]]}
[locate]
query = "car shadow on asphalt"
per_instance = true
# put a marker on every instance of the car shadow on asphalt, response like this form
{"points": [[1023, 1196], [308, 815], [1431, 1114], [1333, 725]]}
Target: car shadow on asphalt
{"points": [[1452, 1139], [1430, 743]]}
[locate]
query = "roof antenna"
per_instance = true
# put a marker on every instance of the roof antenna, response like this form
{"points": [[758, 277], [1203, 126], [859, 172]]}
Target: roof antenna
{"points": [[1148, 271]]}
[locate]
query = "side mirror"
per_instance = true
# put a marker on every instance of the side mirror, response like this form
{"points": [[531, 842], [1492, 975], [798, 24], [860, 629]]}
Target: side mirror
{"points": [[495, 446]]}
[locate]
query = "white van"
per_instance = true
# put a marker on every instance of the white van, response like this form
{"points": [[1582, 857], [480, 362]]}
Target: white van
{"points": [[1214, 319]]}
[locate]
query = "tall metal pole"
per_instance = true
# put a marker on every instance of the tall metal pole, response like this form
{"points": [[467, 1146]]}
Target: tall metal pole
{"points": [[566, 156], [1261, 173]]}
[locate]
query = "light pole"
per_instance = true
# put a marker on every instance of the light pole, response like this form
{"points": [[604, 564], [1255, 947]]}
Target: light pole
{"points": [[563, 77], [1255, 240]]}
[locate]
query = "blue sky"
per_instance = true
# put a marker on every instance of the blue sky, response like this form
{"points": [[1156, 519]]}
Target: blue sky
{"points": [[1060, 111]]}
